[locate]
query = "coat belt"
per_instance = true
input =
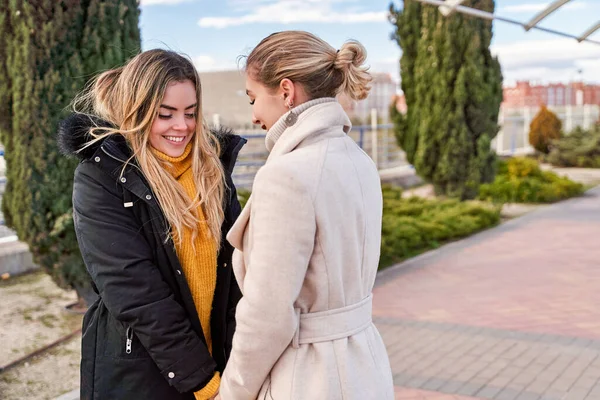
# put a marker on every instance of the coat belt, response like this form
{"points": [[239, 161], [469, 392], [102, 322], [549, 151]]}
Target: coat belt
{"points": [[339, 323]]}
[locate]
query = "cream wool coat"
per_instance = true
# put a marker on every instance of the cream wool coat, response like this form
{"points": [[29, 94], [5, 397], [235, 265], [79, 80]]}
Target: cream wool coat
{"points": [[308, 241]]}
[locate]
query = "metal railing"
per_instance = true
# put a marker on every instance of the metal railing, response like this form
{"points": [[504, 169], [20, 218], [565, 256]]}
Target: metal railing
{"points": [[382, 148]]}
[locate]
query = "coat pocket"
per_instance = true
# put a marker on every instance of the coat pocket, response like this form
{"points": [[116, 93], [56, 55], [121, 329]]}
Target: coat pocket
{"points": [[121, 342]]}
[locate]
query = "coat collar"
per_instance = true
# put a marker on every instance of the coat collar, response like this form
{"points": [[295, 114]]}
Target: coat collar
{"points": [[313, 123], [73, 135], [313, 117]]}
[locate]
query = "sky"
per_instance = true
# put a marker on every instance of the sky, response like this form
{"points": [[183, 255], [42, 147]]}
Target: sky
{"points": [[215, 33]]}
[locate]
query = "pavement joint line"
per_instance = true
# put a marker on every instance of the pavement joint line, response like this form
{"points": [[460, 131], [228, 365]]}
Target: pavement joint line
{"points": [[499, 333]]}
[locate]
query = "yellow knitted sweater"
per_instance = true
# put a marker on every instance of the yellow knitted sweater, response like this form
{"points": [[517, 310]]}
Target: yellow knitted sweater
{"points": [[198, 258]]}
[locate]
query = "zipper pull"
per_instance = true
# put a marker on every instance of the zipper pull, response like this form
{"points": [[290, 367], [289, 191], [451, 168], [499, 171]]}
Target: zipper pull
{"points": [[129, 335]]}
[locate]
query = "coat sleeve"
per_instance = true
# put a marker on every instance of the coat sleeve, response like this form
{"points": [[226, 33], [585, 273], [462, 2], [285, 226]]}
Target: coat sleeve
{"points": [[282, 227], [121, 264]]}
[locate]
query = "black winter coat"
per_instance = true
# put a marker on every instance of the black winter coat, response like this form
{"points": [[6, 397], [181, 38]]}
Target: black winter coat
{"points": [[142, 338]]}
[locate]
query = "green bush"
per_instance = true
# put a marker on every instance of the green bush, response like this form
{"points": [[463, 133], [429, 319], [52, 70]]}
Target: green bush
{"points": [[414, 225], [581, 148], [520, 180], [243, 196]]}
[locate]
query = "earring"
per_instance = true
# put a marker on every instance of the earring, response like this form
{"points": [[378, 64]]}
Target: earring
{"points": [[291, 117]]}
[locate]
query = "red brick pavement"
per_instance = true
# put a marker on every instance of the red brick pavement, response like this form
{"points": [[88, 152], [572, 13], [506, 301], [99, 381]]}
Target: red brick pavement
{"points": [[539, 274], [417, 394]]}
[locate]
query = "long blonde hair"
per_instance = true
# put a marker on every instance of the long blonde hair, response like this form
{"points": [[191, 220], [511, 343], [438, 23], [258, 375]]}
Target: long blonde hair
{"points": [[305, 58], [129, 98]]}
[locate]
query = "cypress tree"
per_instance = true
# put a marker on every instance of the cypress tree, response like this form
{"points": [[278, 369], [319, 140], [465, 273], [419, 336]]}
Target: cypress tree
{"points": [[51, 49], [453, 89], [5, 98]]}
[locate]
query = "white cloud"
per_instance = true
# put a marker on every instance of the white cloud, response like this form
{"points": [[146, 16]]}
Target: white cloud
{"points": [[543, 75], [245, 5], [294, 11], [206, 63], [591, 65], [528, 53], [553, 60], [164, 2], [537, 7], [390, 65]]}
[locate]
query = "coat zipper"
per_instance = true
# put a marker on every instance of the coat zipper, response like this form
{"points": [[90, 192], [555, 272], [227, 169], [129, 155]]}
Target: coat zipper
{"points": [[129, 336]]}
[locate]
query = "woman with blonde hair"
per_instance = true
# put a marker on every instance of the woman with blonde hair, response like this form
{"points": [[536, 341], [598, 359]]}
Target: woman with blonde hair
{"points": [[152, 200], [308, 241]]}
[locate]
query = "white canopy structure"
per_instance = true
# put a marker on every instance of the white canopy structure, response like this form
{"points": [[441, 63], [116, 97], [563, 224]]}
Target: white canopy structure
{"points": [[449, 7]]}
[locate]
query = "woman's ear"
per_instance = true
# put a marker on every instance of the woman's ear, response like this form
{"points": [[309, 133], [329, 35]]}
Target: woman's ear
{"points": [[288, 89]]}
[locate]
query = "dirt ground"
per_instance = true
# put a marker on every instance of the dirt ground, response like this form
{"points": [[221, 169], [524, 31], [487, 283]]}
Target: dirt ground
{"points": [[45, 377], [32, 316]]}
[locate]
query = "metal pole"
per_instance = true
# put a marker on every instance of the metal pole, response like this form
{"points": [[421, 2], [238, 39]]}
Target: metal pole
{"points": [[545, 12], [374, 150], [526, 123], [500, 137], [361, 134]]}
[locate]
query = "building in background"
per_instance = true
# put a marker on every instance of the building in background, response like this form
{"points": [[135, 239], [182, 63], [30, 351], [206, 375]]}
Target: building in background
{"points": [[523, 94], [382, 94], [576, 105], [224, 99]]}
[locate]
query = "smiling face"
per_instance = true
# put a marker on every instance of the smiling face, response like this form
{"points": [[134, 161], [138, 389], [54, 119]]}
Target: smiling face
{"points": [[175, 125]]}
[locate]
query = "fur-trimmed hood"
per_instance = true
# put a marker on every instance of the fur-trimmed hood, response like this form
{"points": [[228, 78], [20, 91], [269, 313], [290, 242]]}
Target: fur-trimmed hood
{"points": [[74, 134]]}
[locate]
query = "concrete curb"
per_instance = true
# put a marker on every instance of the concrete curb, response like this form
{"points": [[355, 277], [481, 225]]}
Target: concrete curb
{"points": [[404, 176], [15, 258]]}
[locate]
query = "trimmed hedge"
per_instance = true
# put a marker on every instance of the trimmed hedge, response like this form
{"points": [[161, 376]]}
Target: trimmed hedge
{"points": [[520, 180], [414, 225]]}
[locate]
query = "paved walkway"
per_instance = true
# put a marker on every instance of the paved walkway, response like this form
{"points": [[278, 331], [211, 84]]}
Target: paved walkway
{"points": [[511, 313]]}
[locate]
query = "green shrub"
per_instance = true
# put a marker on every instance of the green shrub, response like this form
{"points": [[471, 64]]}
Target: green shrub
{"points": [[520, 180], [243, 196], [414, 225], [521, 167], [581, 148]]}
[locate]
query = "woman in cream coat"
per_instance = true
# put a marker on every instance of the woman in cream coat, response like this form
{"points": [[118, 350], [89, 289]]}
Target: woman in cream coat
{"points": [[307, 242]]}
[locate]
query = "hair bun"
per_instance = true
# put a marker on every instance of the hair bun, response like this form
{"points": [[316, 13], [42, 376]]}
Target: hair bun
{"points": [[350, 59]]}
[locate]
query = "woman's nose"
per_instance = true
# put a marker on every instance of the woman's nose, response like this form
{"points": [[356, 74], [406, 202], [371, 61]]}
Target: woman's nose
{"points": [[179, 124]]}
